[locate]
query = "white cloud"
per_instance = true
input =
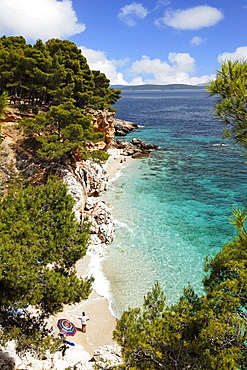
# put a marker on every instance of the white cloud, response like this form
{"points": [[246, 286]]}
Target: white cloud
{"points": [[196, 40], [183, 61], [129, 13], [161, 3], [239, 54], [98, 61], [191, 18], [42, 19], [176, 70]]}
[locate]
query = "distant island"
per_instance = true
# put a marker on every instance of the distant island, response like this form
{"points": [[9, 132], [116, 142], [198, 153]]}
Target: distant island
{"points": [[159, 87]]}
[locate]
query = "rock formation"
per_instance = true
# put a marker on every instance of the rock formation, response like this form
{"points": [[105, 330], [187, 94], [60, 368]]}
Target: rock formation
{"points": [[103, 121], [78, 359], [122, 128], [136, 148]]}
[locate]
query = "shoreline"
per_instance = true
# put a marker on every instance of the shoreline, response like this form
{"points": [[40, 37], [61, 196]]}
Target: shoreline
{"points": [[102, 320]]}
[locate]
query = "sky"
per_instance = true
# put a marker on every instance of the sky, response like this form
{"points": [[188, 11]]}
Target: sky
{"points": [[138, 42]]}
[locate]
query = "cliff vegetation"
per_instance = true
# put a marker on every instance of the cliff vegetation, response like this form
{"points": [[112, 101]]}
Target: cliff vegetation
{"points": [[52, 108]]}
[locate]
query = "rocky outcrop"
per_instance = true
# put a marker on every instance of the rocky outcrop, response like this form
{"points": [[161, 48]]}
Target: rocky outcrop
{"points": [[86, 184], [75, 358], [102, 225], [122, 127], [78, 191], [103, 121], [136, 148], [94, 176], [106, 357]]}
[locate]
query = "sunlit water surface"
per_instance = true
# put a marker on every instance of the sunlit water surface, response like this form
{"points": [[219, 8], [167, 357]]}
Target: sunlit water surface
{"points": [[173, 207]]}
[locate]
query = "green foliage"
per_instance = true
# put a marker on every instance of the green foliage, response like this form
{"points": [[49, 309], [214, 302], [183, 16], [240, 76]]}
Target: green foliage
{"points": [[29, 332], [64, 130], [158, 337], [228, 272], [40, 244], [238, 219], [96, 155], [4, 103], [230, 86], [57, 75], [52, 73]]}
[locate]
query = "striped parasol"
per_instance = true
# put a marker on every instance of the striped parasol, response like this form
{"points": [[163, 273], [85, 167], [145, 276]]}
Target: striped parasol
{"points": [[66, 327]]}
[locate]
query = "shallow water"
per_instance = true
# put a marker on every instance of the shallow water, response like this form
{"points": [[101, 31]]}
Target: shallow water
{"points": [[173, 207]]}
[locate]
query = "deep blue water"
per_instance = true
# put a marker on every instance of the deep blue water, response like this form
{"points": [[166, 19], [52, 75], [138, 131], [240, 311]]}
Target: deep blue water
{"points": [[173, 207]]}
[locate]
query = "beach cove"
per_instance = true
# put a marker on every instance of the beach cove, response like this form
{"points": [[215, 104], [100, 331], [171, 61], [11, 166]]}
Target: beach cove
{"points": [[98, 306], [86, 181], [97, 343], [170, 209]]}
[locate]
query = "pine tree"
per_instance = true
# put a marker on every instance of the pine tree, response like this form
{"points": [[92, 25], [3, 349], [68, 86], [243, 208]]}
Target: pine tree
{"points": [[63, 131], [40, 242], [231, 104]]}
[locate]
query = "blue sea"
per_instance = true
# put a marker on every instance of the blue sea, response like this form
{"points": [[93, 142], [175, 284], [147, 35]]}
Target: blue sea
{"points": [[172, 208]]}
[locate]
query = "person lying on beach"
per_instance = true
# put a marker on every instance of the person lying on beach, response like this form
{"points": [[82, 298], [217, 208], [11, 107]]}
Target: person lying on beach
{"points": [[84, 320]]}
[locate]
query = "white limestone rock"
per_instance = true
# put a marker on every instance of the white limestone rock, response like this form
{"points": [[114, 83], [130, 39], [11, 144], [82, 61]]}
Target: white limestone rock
{"points": [[107, 356], [75, 358], [95, 177], [77, 190], [103, 225]]}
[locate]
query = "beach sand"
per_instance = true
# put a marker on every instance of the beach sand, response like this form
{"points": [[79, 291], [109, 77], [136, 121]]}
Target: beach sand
{"points": [[116, 162], [102, 322], [100, 325]]}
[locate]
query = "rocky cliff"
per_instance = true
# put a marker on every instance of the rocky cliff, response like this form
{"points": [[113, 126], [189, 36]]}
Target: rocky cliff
{"points": [[104, 121], [86, 183]]}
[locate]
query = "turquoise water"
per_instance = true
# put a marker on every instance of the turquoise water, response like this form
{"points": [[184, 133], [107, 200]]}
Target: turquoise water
{"points": [[173, 207]]}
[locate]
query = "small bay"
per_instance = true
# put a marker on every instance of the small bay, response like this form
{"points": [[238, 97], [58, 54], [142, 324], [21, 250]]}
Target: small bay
{"points": [[172, 208]]}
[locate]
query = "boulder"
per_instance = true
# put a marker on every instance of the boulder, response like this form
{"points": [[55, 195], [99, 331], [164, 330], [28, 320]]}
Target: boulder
{"points": [[122, 127], [103, 121], [103, 225], [6, 361], [77, 189], [135, 148], [107, 357], [95, 177]]}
